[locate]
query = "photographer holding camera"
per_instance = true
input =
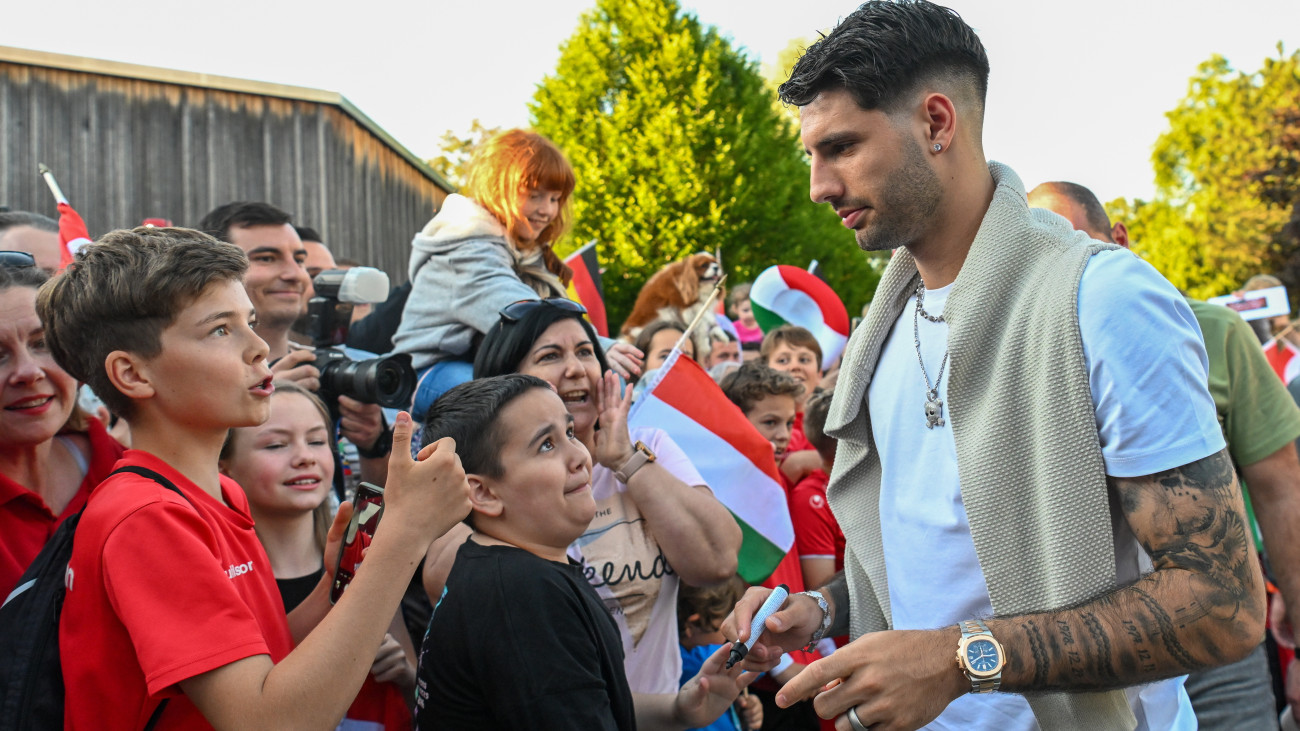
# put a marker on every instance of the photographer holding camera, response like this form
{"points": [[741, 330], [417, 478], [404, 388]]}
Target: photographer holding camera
{"points": [[278, 286]]}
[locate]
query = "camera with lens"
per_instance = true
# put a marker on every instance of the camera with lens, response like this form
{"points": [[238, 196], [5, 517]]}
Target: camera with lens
{"points": [[388, 380]]}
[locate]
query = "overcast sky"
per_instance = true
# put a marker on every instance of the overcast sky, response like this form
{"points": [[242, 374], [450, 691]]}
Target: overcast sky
{"points": [[1078, 91]]}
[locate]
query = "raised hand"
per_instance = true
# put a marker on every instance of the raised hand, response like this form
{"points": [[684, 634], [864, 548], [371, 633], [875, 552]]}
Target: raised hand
{"points": [[711, 692], [613, 442], [430, 489]]}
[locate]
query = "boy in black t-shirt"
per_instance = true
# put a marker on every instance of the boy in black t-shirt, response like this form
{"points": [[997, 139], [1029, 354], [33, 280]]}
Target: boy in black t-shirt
{"points": [[519, 638]]}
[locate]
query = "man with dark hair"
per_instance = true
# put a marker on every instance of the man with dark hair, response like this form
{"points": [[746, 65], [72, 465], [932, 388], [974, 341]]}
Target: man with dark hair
{"points": [[33, 233], [278, 286], [319, 257], [1260, 422], [1057, 499], [277, 281]]}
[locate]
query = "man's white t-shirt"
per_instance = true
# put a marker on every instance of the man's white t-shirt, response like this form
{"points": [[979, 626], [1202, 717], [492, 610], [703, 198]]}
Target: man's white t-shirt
{"points": [[1149, 379]]}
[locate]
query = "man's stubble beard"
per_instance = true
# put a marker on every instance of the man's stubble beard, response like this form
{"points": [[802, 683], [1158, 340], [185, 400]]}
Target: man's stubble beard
{"points": [[908, 200]]}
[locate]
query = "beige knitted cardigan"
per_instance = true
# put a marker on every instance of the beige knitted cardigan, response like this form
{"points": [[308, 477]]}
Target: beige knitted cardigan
{"points": [[1028, 455]]}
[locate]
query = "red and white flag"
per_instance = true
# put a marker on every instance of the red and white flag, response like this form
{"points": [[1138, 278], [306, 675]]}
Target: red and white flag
{"points": [[72, 234], [1281, 354]]}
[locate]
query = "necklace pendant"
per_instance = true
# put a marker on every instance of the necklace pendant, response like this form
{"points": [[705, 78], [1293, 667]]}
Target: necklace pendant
{"points": [[933, 411]]}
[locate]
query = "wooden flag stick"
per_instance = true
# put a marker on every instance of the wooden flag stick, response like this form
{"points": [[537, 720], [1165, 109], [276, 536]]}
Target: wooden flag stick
{"points": [[50, 181], [708, 309]]}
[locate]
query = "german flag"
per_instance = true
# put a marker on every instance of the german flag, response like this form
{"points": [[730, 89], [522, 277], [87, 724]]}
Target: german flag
{"points": [[585, 287]]}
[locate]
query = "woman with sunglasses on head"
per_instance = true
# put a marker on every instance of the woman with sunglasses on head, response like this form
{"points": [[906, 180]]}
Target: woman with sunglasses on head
{"points": [[656, 521], [488, 246], [51, 453]]}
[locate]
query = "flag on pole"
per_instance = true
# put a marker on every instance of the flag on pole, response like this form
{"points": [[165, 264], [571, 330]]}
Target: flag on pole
{"points": [[72, 234], [1281, 355], [784, 295], [732, 457], [586, 287]]}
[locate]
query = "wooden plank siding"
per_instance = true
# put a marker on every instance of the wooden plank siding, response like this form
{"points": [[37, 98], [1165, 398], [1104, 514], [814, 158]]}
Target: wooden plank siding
{"points": [[127, 143]]}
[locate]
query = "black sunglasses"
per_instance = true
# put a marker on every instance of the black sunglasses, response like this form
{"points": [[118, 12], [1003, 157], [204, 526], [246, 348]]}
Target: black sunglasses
{"points": [[17, 260], [515, 311]]}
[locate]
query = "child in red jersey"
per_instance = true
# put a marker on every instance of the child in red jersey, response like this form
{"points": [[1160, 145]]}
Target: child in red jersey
{"points": [[171, 597]]}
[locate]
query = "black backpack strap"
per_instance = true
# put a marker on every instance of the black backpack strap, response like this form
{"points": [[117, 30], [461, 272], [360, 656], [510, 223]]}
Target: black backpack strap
{"points": [[150, 474]]}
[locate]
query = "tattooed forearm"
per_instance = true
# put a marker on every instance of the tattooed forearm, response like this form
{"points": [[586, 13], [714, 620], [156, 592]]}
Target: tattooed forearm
{"points": [[1202, 606]]}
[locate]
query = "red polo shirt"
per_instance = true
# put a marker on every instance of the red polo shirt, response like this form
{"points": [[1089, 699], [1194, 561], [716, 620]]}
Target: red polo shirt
{"points": [[26, 522], [162, 588]]}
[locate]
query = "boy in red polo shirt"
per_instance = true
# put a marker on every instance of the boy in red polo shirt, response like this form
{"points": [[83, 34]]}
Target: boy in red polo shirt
{"points": [[171, 596]]}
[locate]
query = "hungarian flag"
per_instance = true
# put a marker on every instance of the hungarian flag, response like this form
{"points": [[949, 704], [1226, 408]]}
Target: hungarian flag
{"points": [[787, 295], [1281, 354], [585, 287], [72, 234], [736, 462], [732, 457]]}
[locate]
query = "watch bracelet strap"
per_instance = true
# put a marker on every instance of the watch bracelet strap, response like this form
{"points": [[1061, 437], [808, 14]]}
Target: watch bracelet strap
{"points": [[968, 628], [826, 618], [625, 471]]}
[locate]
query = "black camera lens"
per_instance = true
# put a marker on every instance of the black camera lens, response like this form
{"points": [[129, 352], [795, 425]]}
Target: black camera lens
{"points": [[387, 381]]}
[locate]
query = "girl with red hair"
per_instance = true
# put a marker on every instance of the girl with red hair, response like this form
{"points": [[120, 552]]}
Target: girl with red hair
{"points": [[489, 246]]}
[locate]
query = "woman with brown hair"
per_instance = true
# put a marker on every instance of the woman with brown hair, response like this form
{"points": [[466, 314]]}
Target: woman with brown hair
{"points": [[490, 245], [51, 453]]}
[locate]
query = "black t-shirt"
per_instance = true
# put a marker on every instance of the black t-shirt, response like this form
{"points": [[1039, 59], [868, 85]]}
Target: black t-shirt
{"points": [[520, 642], [293, 591]]}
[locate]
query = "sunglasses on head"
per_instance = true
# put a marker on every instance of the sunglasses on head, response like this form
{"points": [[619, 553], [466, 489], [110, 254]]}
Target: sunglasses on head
{"points": [[515, 311], [17, 260]]}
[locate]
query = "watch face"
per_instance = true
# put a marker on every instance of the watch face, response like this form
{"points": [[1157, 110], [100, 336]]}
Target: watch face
{"points": [[982, 656]]}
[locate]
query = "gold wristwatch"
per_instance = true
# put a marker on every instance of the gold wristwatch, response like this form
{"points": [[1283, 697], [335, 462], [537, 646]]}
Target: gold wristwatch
{"points": [[641, 456], [980, 657]]}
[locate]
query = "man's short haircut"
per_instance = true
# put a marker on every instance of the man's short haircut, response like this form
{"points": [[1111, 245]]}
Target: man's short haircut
{"points": [[507, 343], [307, 233], [754, 381], [121, 292], [14, 219], [239, 214], [1093, 210], [795, 337], [884, 51], [470, 413], [814, 423]]}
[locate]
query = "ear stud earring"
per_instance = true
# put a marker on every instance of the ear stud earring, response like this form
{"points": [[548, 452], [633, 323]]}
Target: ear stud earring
{"points": [[937, 147]]}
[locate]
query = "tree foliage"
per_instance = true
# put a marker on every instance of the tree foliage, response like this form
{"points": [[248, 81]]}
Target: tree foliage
{"points": [[457, 151], [678, 148], [1222, 180]]}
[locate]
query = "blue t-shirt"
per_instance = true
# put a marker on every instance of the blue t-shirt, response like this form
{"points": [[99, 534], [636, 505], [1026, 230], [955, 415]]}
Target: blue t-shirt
{"points": [[692, 660]]}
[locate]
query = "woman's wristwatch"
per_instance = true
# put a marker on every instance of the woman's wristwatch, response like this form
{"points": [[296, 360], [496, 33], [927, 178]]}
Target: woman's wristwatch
{"points": [[826, 618], [641, 456]]}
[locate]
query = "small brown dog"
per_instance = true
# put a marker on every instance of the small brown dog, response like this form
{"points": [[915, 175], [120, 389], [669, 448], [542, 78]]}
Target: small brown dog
{"points": [[678, 292]]}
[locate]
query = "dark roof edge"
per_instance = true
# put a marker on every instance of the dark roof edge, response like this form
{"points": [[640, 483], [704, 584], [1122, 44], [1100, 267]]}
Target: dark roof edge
{"points": [[222, 83]]}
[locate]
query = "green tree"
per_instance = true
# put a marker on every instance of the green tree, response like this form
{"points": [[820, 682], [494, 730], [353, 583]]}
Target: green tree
{"points": [[1209, 228], [457, 151], [678, 148]]}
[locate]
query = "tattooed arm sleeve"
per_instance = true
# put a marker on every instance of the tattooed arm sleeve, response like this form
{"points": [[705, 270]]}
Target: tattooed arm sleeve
{"points": [[1202, 606]]}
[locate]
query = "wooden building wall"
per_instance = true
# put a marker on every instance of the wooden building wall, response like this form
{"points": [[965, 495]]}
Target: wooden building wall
{"points": [[125, 149]]}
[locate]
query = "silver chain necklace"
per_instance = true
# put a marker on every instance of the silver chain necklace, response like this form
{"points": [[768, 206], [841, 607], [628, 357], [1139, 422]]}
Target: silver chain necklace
{"points": [[933, 406]]}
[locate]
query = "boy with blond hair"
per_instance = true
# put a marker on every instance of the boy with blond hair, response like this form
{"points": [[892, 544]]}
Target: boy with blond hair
{"points": [[170, 596]]}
